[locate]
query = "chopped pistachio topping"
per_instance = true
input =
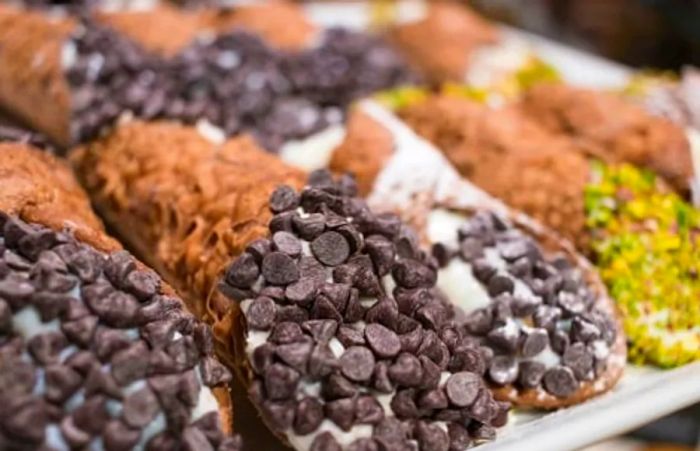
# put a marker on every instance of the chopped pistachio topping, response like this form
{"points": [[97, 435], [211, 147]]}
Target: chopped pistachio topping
{"points": [[645, 239]]}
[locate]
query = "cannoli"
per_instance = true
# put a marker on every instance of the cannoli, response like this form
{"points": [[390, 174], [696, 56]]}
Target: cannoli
{"points": [[94, 74], [514, 279], [639, 233], [95, 351], [608, 127], [327, 310]]}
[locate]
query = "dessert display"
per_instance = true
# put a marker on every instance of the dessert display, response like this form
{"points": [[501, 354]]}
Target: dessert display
{"points": [[369, 230], [550, 176], [96, 351]]}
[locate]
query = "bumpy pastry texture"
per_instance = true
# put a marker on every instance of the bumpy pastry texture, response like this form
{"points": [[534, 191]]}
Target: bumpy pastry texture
{"points": [[441, 44], [187, 205], [90, 336], [613, 129], [510, 157]]}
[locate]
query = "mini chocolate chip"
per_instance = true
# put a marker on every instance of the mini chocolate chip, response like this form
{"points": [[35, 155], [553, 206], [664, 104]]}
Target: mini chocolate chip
{"points": [[309, 415], [350, 336], [431, 373], [391, 433], [283, 198], [505, 337], [433, 399], [546, 317], [368, 410], [280, 414], [74, 436], [322, 361], [5, 317], [357, 363], [380, 378], [323, 308], [27, 422], [45, 347], [466, 358], [521, 268], [449, 415], [559, 341], [337, 293], [413, 274], [81, 330], [406, 371], [301, 292], [403, 404], [462, 388], [503, 370], [295, 355], [336, 387], [501, 417], [478, 322], [91, 416], [353, 237], [579, 359], [119, 264], [410, 341], [442, 253], [98, 382], [483, 270], [382, 252], [433, 314], [434, 348], [322, 330], [280, 381], [385, 312], [431, 437], [530, 373], [14, 290], [140, 408], [470, 249], [483, 407], [193, 439], [286, 243], [309, 227], [513, 250], [61, 382], [536, 340], [142, 284], [384, 342], [499, 284], [325, 442], [560, 381], [261, 313], [459, 436], [279, 269], [585, 331], [481, 432], [354, 311], [157, 333], [286, 332], [16, 261], [331, 248], [291, 313], [571, 303], [282, 221], [341, 412], [156, 309], [259, 249], [130, 364], [364, 444], [118, 309], [119, 437], [524, 305], [262, 357]]}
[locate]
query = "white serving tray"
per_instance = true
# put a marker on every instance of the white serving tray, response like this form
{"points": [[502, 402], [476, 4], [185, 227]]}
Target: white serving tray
{"points": [[644, 393]]}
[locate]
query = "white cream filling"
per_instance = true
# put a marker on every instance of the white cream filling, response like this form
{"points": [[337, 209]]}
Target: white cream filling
{"points": [[211, 132], [314, 151], [492, 64]]}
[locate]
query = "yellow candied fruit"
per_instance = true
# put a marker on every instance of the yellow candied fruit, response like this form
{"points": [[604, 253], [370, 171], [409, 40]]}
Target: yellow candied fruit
{"points": [[645, 241], [402, 97]]}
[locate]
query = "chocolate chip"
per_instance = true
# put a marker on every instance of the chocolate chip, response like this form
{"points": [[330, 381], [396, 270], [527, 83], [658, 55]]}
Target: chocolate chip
{"points": [[261, 313], [130, 364], [341, 412], [431, 437], [286, 332], [92, 415], [546, 317], [470, 249], [406, 371], [382, 253], [462, 388], [503, 370], [331, 248], [280, 414], [142, 284], [354, 311], [291, 313], [283, 198], [337, 293], [279, 269], [499, 284], [466, 358], [357, 363], [559, 341], [81, 330], [536, 340], [45, 347], [140, 408], [410, 341], [325, 442], [14, 290], [384, 342], [459, 436], [336, 386], [309, 415], [481, 432], [258, 249], [585, 331], [434, 348], [403, 404], [119, 437], [364, 444], [483, 270], [295, 355], [119, 264], [385, 312], [483, 409], [243, 272], [280, 381], [27, 422], [560, 381], [193, 439], [301, 292], [530, 373], [61, 382], [479, 321], [571, 303], [118, 309], [322, 361], [368, 410], [322, 330], [74, 436], [505, 337], [390, 433], [323, 308], [413, 274], [309, 227], [433, 399], [282, 222], [286, 243], [5, 317], [579, 359]]}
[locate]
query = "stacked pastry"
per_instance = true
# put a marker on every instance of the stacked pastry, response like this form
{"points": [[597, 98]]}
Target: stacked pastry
{"points": [[97, 352]]}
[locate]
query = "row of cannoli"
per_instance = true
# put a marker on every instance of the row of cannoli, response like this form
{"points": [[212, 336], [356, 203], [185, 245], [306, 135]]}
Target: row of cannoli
{"points": [[96, 352], [596, 168]]}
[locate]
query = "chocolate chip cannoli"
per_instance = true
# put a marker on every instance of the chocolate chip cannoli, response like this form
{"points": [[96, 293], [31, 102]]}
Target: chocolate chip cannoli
{"points": [[527, 294], [88, 73], [634, 227], [95, 351], [327, 310]]}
